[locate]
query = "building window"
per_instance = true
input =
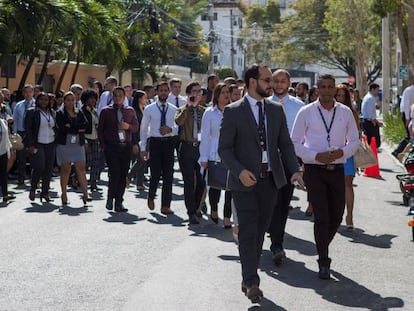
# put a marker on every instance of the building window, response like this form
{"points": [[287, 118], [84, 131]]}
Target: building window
{"points": [[205, 17], [215, 59]]}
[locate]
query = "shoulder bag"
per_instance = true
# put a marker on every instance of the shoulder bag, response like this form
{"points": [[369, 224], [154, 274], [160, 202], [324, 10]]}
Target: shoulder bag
{"points": [[217, 175], [364, 156]]}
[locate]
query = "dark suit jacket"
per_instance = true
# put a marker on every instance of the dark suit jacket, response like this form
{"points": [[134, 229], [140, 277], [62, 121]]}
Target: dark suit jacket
{"points": [[76, 124], [32, 124], [239, 145]]}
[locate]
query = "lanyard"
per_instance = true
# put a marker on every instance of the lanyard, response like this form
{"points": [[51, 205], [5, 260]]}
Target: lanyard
{"points": [[328, 129], [47, 116]]}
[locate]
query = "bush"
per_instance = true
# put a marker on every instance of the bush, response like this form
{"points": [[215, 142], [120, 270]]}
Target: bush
{"points": [[394, 129], [224, 72]]}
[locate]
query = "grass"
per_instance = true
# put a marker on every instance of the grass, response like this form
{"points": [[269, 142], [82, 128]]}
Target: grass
{"points": [[394, 129]]}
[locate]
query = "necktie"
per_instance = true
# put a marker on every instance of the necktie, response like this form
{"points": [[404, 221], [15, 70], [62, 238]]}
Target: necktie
{"points": [[262, 135], [195, 124], [121, 133], [177, 103], [163, 115]]}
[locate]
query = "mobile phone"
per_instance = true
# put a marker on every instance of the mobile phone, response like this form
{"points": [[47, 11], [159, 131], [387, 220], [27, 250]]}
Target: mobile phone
{"points": [[299, 184], [192, 99]]}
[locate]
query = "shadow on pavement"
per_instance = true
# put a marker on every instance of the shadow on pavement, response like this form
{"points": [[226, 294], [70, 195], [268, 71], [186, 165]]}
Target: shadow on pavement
{"points": [[73, 211], [266, 305], [297, 214], [41, 208], [172, 220], [211, 230], [124, 218], [304, 247], [358, 236], [342, 291]]}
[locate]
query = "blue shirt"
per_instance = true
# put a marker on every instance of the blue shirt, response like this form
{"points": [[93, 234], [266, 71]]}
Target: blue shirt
{"points": [[291, 106], [20, 112], [368, 109]]}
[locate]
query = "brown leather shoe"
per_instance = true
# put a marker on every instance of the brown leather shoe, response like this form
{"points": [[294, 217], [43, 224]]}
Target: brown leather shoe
{"points": [[254, 293], [150, 203], [166, 210]]}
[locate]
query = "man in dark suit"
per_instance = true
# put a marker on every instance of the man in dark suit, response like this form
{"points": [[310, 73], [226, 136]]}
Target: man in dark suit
{"points": [[255, 146]]}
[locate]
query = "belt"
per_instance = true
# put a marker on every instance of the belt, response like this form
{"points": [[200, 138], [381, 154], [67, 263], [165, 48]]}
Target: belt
{"points": [[265, 174], [328, 167], [120, 144], [168, 138], [192, 143]]}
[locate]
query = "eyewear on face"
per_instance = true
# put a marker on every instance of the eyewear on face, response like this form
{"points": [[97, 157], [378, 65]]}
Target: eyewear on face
{"points": [[196, 91], [268, 80]]}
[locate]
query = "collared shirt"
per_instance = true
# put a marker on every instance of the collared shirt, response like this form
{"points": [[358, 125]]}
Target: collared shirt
{"points": [[106, 99], [151, 122], [46, 133], [184, 119], [291, 106], [108, 127], [309, 134], [407, 100], [19, 114], [173, 100], [210, 131], [368, 109]]}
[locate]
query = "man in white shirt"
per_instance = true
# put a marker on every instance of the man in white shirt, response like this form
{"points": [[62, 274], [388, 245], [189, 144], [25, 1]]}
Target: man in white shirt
{"points": [[106, 97], [174, 97], [159, 126], [325, 135], [368, 110], [407, 101], [291, 106], [77, 89]]}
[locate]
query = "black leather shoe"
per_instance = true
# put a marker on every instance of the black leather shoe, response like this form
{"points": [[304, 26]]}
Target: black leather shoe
{"points": [[109, 205], [278, 254], [119, 208], [324, 273], [254, 293], [194, 220]]}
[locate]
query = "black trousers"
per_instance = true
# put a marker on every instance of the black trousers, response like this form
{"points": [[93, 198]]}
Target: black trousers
{"points": [[117, 157], [194, 183], [92, 161], [137, 170], [326, 191], [214, 198], [3, 174], [280, 215], [254, 211], [370, 131], [41, 164], [21, 159], [161, 162]]}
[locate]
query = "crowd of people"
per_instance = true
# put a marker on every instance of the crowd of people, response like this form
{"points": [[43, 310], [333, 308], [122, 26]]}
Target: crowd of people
{"points": [[270, 136]]}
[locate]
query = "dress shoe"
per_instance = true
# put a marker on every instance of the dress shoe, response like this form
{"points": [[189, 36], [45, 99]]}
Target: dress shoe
{"points": [[214, 217], [254, 293], [140, 187], [150, 203], [324, 269], [120, 209], [32, 195], [198, 213], [278, 254], [109, 204], [194, 220], [45, 196], [166, 210], [95, 188], [227, 223], [86, 199]]}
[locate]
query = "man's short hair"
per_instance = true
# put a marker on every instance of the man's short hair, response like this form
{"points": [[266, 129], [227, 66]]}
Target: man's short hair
{"points": [[304, 85], [211, 77], [326, 77], [373, 86], [175, 80], [75, 87], [252, 72], [111, 79], [162, 83], [148, 87], [190, 86], [284, 71]]}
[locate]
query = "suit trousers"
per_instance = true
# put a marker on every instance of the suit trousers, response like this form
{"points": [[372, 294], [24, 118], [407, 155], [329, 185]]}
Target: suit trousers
{"points": [[41, 164], [254, 211], [3, 174], [161, 162], [279, 217], [372, 131], [118, 158], [326, 191], [92, 161], [194, 184]]}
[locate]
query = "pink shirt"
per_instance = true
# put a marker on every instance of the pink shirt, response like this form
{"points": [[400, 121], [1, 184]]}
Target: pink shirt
{"points": [[309, 134]]}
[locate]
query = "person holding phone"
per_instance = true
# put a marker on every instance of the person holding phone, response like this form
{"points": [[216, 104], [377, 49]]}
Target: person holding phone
{"points": [[188, 117]]}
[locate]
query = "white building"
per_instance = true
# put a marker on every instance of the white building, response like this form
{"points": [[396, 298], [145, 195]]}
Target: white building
{"points": [[227, 24]]}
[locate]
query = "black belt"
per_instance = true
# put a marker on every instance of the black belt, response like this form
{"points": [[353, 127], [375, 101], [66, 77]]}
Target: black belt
{"points": [[120, 144], [328, 167], [265, 174], [192, 143], [168, 138]]}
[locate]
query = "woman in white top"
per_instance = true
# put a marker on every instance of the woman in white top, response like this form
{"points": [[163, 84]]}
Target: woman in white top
{"points": [[5, 148], [40, 125], [210, 129]]}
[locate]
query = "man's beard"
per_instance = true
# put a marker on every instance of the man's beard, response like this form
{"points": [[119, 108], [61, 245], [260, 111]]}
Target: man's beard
{"points": [[263, 92], [162, 99]]}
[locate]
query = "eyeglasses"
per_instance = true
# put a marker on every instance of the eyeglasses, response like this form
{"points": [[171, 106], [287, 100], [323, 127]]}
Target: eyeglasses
{"points": [[196, 91], [267, 80]]}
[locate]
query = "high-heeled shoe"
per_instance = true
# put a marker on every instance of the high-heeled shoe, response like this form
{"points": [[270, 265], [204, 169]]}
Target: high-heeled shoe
{"points": [[64, 199], [32, 195], [214, 217], [45, 197], [227, 223], [86, 199]]}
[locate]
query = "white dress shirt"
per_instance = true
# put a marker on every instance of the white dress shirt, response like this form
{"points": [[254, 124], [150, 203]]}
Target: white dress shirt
{"points": [[151, 122], [210, 131], [407, 101], [309, 134], [107, 99], [173, 100], [46, 133], [291, 106]]}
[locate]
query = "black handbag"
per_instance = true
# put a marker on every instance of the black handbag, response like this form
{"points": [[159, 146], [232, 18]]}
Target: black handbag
{"points": [[217, 175]]}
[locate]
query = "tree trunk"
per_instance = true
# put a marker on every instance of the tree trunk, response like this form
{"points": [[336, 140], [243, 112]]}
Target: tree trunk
{"points": [[75, 72], [65, 69], [45, 63], [26, 71], [410, 26]]}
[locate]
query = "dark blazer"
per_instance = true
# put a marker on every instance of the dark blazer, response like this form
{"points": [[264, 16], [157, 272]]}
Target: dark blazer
{"points": [[88, 116], [239, 145], [32, 124], [75, 124]]}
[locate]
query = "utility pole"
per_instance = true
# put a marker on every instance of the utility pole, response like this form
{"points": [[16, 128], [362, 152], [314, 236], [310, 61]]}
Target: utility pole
{"points": [[386, 55], [232, 40], [211, 36]]}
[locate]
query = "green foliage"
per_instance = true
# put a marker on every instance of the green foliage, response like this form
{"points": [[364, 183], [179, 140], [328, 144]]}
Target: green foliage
{"points": [[393, 128], [225, 72]]}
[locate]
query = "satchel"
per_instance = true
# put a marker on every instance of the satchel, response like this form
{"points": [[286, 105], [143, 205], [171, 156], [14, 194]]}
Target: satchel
{"points": [[16, 141], [217, 175], [364, 156]]}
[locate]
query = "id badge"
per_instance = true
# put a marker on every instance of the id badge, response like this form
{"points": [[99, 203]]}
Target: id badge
{"points": [[73, 139], [121, 135], [264, 157], [199, 136]]}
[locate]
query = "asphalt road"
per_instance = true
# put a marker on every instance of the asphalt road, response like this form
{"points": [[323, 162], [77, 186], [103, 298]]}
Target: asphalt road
{"points": [[84, 258]]}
